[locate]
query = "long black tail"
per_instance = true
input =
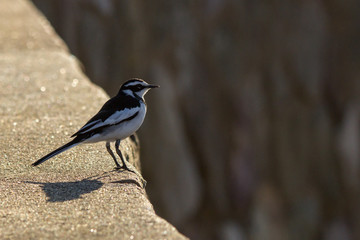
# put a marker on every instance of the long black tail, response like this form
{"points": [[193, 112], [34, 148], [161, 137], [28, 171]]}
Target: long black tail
{"points": [[67, 146]]}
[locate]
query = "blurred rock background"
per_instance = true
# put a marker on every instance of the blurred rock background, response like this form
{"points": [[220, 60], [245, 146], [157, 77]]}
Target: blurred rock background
{"points": [[254, 133]]}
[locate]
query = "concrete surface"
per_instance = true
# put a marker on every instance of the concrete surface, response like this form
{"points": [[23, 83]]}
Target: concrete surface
{"points": [[44, 98]]}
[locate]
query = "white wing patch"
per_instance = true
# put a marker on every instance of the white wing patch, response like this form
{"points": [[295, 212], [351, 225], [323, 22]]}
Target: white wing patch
{"points": [[114, 118]]}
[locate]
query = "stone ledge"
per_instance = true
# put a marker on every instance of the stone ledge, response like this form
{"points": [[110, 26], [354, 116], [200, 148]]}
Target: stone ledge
{"points": [[44, 98]]}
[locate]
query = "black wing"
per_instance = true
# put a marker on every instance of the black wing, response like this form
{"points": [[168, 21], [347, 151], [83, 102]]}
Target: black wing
{"points": [[114, 110]]}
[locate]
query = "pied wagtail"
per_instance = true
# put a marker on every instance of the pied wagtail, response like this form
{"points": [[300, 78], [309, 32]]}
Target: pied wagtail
{"points": [[119, 118]]}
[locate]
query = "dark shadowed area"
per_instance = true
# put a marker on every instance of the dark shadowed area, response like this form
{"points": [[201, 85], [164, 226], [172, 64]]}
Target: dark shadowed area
{"points": [[254, 133], [66, 191]]}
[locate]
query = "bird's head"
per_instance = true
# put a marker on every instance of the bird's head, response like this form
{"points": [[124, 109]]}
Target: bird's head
{"points": [[136, 87]]}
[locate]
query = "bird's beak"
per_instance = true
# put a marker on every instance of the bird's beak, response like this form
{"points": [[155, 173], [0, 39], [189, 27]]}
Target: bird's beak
{"points": [[152, 86]]}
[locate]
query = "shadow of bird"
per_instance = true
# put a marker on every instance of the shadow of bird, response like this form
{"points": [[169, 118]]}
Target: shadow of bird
{"points": [[67, 191]]}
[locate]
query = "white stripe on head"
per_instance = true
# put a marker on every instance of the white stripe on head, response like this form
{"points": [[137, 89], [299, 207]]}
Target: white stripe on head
{"points": [[134, 82]]}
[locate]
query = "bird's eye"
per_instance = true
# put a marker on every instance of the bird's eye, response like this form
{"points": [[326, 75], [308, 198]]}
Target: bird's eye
{"points": [[137, 88]]}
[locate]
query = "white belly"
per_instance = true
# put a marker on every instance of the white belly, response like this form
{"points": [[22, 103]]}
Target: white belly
{"points": [[122, 130]]}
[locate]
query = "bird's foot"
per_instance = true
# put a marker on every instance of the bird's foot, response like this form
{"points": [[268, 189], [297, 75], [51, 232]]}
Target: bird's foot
{"points": [[131, 168]]}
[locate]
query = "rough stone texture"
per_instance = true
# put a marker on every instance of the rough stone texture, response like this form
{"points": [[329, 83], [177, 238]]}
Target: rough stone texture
{"points": [[44, 98], [258, 111]]}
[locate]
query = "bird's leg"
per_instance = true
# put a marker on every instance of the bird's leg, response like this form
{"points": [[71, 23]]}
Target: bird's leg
{"points": [[118, 151], [133, 169], [112, 154]]}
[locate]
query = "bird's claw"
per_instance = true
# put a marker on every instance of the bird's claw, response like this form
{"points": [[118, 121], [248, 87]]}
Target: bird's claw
{"points": [[133, 170]]}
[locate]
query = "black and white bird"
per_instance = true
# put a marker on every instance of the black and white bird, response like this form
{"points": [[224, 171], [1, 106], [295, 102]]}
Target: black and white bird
{"points": [[119, 118]]}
